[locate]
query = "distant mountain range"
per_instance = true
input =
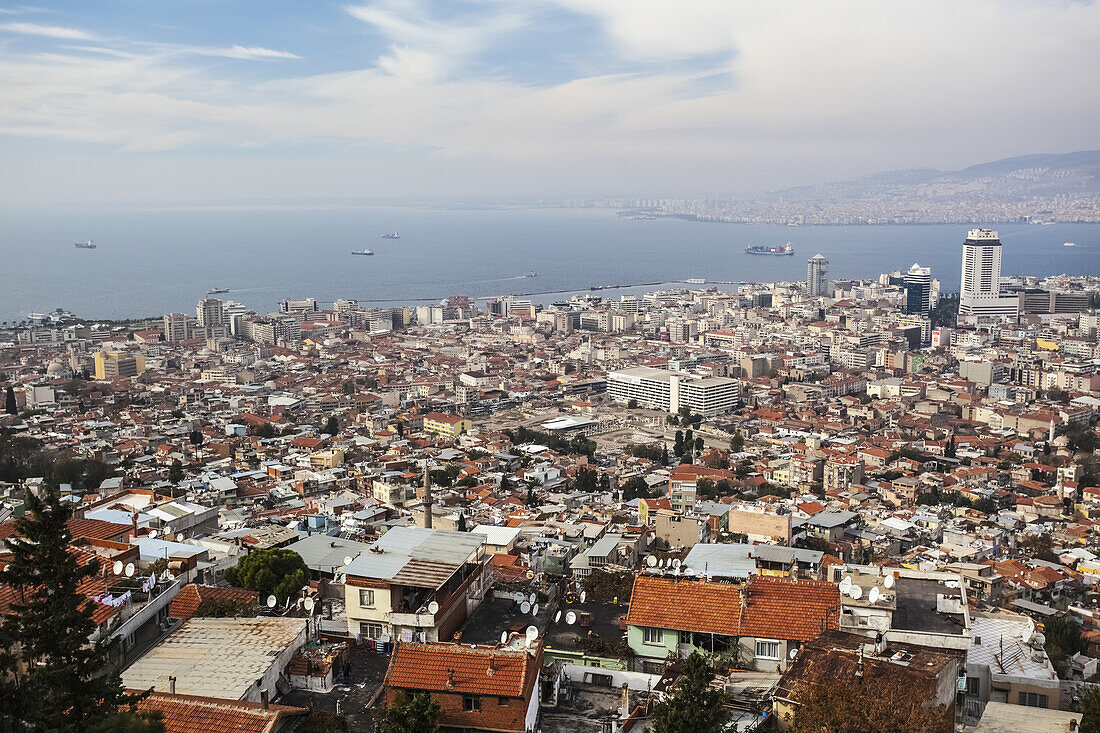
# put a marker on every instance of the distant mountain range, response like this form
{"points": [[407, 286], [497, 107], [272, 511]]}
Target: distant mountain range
{"points": [[1017, 178], [1030, 188]]}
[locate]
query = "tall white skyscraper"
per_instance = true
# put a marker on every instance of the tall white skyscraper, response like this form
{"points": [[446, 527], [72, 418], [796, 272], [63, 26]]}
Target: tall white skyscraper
{"points": [[210, 312], [980, 292], [817, 276]]}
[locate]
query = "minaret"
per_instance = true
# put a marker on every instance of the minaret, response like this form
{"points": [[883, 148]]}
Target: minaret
{"points": [[427, 496]]}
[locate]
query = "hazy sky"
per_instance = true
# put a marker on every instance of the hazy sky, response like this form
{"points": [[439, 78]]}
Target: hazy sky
{"points": [[112, 101]]}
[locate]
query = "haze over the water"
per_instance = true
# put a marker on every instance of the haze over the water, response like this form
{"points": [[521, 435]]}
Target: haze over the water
{"points": [[160, 103]]}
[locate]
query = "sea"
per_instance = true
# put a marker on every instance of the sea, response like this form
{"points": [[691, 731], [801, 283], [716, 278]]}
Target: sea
{"points": [[154, 261]]}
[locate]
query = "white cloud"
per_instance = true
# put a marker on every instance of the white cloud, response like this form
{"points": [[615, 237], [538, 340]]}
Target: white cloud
{"points": [[246, 52], [48, 31]]}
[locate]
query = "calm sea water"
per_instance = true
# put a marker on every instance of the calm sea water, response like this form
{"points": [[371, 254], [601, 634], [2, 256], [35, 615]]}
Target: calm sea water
{"points": [[151, 262]]}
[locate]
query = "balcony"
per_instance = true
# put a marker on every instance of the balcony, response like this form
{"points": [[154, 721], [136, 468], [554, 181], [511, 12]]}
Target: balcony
{"points": [[415, 620]]}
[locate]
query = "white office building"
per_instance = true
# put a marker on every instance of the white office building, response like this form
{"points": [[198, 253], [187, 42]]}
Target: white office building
{"points": [[981, 295], [817, 276], [660, 389]]}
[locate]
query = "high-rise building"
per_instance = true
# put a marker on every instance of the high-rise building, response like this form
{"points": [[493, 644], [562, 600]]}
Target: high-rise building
{"points": [[817, 276], [661, 389], [210, 312], [980, 294], [109, 364], [176, 327], [918, 290]]}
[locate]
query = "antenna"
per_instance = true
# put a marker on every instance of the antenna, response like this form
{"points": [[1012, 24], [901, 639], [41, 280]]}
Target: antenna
{"points": [[874, 595], [130, 570], [856, 592], [689, 572], [504, 637], [557, 617], [153, 534], [889, 582], [846, 584], [309, 604], [530, 574], [532, 598], [117, 567], [525, 608], [584, 594], [433, 608], [517, 597], [532, 634], [676, 563], [651, 561], [794, 653], [347, 559], [271, 601], [535, 610], [570, 618]]}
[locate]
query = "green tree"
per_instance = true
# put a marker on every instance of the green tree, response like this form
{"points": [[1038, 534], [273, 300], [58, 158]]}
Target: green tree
{"points": [[68, 683], [632, 404], [348, 388], [276, 570], [224, 608], [462, 523], [1063, 639], [678, 446], [9, 401], [1090, 707], [175, 473], [130, 721], [196, 438], [266, 430], [634, 488], [692, 705], [332, 425], [737, 443], [416, 713]]}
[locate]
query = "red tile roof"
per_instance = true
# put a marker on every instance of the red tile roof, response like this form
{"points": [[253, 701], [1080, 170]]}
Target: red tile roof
{"points": [[775, 608], [194, 714], [191, 595], [484, 670]]}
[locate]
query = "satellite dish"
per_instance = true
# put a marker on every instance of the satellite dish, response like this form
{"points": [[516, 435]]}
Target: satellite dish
{"points": [[117, 567], [557, 617], [584, 595], [271, 601], [433, 608], [347, 559], [153, 534], [676, 563], [661, 563], [525, 607], [530, 574], [130, 570], [517, 597], [889, 582], [535, 610], [793, 654], [845, 584], [532, 633], [532, 598], [651, 561], [689, 572], [856, 592], [309, 604], [676, 572], [874, 595], [570, 618], [504, 637]]}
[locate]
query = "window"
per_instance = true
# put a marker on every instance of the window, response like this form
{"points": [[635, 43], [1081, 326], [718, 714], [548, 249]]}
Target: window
{"points": [[685, 638], [366, 598], [1033, 699], [371, 631], [471, 704], [767, 649], [652, 636], [973, 686], [503, 701]]}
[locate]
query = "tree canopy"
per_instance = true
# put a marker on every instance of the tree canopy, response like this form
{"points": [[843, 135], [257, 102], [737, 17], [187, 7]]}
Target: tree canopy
{"points": [[692, 705], [416, 713], [277, 571]]}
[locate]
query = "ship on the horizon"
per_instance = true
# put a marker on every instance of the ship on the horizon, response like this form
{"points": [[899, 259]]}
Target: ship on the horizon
{"points": [[362, 252], [532, 274], [787, 249], [85, 245], [217, 291], [391, 235]]}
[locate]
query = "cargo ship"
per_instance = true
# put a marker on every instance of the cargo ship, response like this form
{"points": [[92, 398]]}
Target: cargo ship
{"points": [[787, 249], [85, 245]]}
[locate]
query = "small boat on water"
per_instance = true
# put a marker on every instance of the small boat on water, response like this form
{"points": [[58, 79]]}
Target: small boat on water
{"points": [[391, 235], [1069, 244], [362, 252], [85, 245], [217, 291], [532, 274]]}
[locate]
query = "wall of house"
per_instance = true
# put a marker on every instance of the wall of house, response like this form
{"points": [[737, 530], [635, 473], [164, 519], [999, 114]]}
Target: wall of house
{"points": [[356, 614], [669, 643], [512, 716]]}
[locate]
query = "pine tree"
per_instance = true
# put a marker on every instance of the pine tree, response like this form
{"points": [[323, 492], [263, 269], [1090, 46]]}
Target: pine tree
{"points": [[175, 472], [65, 683], [416, 713], [9, 401], [693, 705]]}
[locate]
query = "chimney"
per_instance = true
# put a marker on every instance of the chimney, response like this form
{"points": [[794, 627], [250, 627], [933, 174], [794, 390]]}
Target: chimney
{"points": [[263, 698], [491, 670], [427, 496], [172, 684], [133, 522], [626, 701], [450, 679]]}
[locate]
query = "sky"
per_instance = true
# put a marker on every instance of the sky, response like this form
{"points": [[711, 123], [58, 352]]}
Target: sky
{"points": [[181, 101]]}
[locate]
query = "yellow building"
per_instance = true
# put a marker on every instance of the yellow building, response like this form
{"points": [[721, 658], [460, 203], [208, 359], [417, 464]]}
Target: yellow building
{"points": [[110, 364], [447, 426], [326, 459]]}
